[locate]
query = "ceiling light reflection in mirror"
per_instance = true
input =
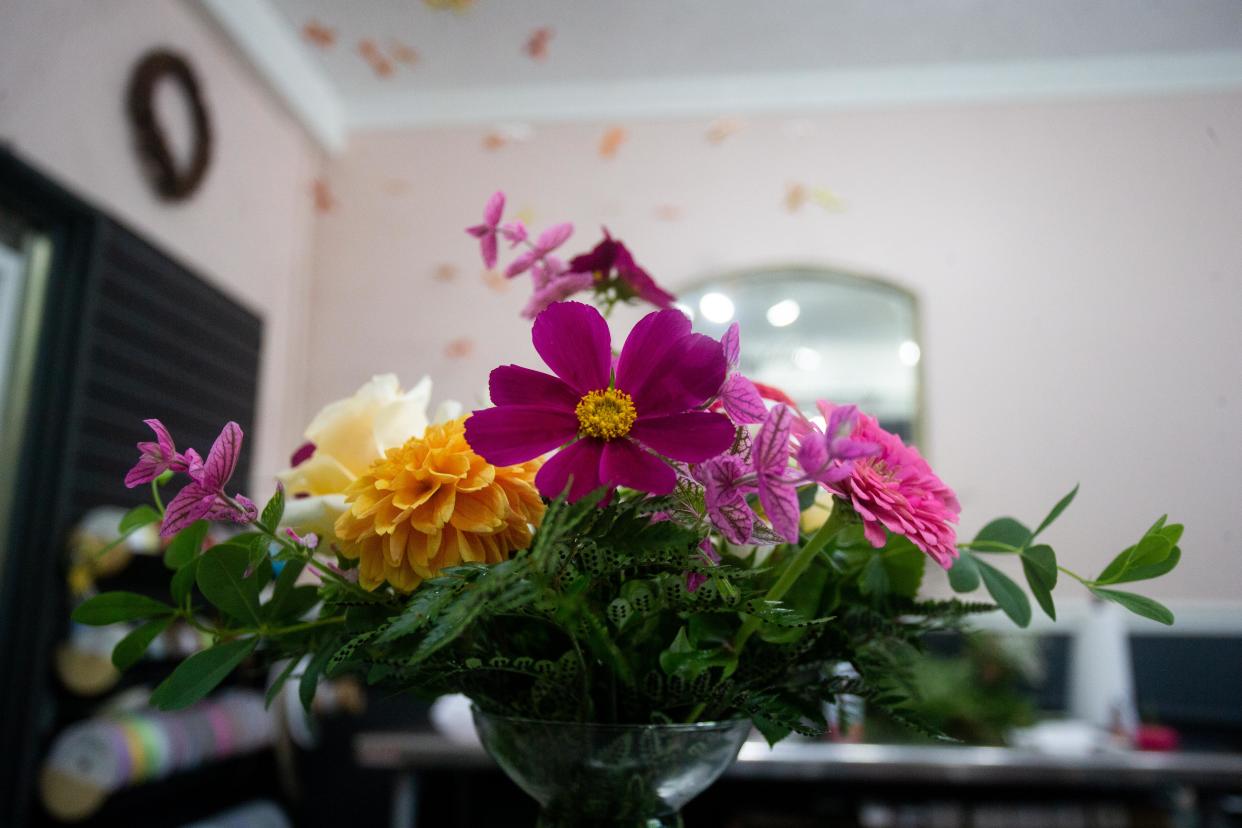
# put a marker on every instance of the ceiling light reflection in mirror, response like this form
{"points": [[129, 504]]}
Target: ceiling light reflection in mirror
{"points": [[821, 334]]}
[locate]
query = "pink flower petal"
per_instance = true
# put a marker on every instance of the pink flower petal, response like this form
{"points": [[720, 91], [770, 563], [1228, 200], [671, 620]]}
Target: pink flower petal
{"points": [[191, 503], [145, 470], [691, 436], [494, 209], [553, 237], [644, 349], [521, 264], [580, 461], [731, 343], [515, 385], [163, 438], [742, 401], [625, 463], [487, 246], [573, 340], [510, 434], [222, 459]]}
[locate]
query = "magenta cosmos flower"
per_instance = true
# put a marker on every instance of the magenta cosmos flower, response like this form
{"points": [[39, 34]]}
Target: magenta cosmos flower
{"points": [[610, 429]]}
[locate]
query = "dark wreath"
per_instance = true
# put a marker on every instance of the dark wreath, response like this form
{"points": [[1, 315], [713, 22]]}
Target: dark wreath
{"points": [[152, 144]]}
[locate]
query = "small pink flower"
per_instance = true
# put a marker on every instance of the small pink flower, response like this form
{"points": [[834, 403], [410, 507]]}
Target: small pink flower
{"points": [[155, 458], [486, 232], [548, 241], [310, 540], [556, 289], [203, 497], [513, 232], [828, 456]]}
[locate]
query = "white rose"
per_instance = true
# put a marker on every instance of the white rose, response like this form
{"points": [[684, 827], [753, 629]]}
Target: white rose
{"points": [[349, 435]]}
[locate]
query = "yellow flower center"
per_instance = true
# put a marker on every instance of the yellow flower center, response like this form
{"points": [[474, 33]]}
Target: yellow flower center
{"points": [[606, 414]]}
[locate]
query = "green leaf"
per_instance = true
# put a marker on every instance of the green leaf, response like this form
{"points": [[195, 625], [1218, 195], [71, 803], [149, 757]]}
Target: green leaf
{"points": [[1005, 531], [199, 674], [183, 582], [186, 545], [1007, 594], [310, 678], [874, 578], [278, 607], [1056, 512], [272, 691], [111, 607], [221, 579], [1039, 563], [138, 517], [1152, 549], [904, 564], [275, 509], [1146, 573], [1137, 604], [964, 575], [130, 648]]}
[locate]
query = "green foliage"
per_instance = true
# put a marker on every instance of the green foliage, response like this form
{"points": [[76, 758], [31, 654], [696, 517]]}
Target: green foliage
{"points": [[132, 647], [222, 580], [199, 674], [596, 621], [136, 518], [111, 607], [186, 545]]}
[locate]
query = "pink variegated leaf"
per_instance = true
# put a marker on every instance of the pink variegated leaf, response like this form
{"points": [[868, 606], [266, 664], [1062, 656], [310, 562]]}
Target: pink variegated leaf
{"points": [[742, 401], [771, 449], [780, 502], [222, 459], [731, 342], [734, 518], [191, 503]]}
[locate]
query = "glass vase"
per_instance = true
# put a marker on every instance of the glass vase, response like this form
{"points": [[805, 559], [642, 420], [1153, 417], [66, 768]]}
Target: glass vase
{"points": [[610, 776]]}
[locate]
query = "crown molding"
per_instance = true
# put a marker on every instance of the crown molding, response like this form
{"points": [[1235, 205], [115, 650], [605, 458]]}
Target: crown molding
{"points": [[1081, 78], [272, 47]]}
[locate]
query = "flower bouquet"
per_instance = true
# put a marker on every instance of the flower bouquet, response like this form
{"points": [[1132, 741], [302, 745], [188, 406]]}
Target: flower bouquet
{"points": [[625, 562]]}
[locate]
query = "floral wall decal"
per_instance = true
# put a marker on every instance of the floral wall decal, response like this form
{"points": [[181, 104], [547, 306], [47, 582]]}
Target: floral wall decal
{"points": [[370, 52], [537, 44], [325, 202], [611, 142], [320, 35]]}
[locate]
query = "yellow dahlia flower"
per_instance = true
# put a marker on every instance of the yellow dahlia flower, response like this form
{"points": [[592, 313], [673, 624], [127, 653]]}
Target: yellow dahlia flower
{"points": [[433, 503]]}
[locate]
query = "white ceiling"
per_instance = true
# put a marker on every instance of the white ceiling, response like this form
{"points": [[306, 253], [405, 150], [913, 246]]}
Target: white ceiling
{"points": [[661, 57]]}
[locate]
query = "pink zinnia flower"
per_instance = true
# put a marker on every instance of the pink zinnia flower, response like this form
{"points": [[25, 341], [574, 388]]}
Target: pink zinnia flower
{"points": [[611, 430], [895, 490], [486, 232], [610, 255]]}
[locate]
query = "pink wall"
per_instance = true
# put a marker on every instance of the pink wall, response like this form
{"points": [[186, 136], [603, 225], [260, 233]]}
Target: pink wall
{"points": [[63, 71], [1079, 267]]}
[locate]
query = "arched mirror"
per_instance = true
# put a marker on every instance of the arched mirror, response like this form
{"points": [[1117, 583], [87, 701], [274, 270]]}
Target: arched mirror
{"points": [[818, 333]]}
